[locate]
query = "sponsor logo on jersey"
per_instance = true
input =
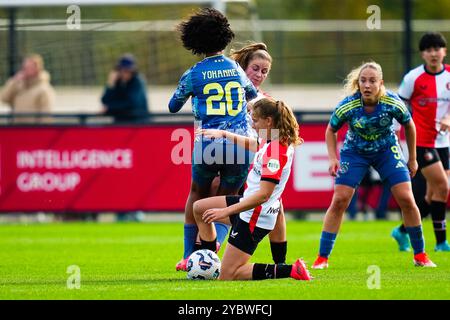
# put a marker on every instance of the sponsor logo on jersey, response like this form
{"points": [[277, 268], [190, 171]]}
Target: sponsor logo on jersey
{"points": [[233, 234], [369, 137], [424, 101], [273, 165], [273, 210], [257, 171]]}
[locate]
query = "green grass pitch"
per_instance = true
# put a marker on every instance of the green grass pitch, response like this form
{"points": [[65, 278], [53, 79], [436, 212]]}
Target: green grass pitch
{"points": [[137, 261]]}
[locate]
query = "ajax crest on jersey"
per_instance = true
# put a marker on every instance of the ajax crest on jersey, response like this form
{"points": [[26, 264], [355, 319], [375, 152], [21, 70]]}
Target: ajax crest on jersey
{"points": [[203, 265], [385, 121]]}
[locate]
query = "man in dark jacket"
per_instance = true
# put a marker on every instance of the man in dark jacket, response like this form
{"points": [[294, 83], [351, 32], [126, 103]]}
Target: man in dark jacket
{"points": [[125, 96]]}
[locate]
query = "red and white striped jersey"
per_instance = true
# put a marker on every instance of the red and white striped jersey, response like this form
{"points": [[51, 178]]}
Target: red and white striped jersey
{"points": [[429, 97], [273, 163]]}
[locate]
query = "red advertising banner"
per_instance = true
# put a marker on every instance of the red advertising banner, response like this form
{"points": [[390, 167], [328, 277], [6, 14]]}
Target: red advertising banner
{"points": [[85, 169], [91, 169]]}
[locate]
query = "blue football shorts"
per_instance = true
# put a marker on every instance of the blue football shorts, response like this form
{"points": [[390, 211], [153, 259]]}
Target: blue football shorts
{"points": [[389, 163], [224, 159]]}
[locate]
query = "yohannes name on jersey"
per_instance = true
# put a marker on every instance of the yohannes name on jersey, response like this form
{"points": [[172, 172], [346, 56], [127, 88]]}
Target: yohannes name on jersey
{"points": [[214, 74]]}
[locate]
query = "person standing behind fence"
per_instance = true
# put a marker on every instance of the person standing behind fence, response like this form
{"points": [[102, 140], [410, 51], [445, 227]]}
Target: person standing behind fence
{"points": [[125, 98], [125, 95], [30, 91]]}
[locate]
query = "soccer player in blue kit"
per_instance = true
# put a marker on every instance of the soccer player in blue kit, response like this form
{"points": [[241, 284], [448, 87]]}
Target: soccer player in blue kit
{"points": [[219, 90], [370, 141]]}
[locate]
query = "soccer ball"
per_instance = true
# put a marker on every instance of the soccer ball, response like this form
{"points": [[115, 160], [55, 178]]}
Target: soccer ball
{"points": [[203, 265]]}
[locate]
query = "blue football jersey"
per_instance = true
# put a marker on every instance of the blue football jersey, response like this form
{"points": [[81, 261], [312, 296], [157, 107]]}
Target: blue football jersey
{"points": [[219, 89], [369, 132]]}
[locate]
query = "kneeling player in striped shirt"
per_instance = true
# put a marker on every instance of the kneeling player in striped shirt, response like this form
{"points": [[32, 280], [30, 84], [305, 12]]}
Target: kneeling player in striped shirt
{"points": [[254, 215]]}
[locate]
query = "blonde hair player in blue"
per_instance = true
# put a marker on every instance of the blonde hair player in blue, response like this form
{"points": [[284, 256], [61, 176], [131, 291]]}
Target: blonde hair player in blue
{"points": [[370, 141]]}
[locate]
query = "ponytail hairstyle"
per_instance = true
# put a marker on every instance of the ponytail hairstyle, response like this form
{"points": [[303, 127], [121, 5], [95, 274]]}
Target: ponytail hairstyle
{"points": [[252, 51], [283, 119], [351, 85]]}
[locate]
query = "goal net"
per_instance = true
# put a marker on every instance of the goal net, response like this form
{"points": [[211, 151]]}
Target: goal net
{"points": [[84, 56]]}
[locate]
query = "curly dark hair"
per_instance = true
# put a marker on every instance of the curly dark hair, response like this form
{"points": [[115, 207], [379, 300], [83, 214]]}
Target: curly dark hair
{"points": [[206, 31]]}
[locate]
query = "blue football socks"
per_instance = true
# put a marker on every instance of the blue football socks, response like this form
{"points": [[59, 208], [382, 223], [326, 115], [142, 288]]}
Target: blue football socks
{"points": [[327, 240], [190, 235], [416, 238], [222, 231]]}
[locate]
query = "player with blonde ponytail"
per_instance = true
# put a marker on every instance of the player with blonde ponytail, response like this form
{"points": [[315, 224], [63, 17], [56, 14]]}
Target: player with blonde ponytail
{"points": [[369, 110]]}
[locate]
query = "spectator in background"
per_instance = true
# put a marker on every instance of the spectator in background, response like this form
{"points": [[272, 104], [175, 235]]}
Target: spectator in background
{"points": [[125, 98], [30, 91], [125, 95]]}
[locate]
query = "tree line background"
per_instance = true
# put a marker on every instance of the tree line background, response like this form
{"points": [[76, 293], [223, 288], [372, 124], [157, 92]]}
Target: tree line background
{"points": [[83, 58]]}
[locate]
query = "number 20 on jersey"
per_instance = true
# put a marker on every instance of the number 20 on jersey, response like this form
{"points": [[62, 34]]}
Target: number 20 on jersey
{"points": [[223, 107]]}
